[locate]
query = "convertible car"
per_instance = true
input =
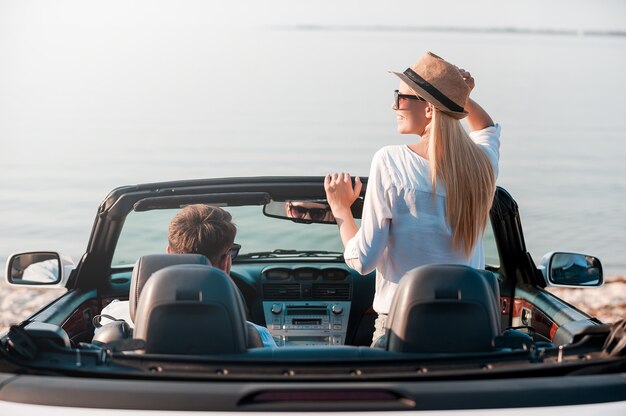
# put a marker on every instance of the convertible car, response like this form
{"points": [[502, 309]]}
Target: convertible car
{"points": [[458, 341]]}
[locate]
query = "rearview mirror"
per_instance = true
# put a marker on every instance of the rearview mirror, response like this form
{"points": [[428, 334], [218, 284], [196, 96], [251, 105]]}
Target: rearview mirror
{"points": [[571, 270], [301, 211], [38, 268], [307, 211]]}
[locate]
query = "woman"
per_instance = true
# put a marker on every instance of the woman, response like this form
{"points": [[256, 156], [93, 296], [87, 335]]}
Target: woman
{"points": [[427, 202]]}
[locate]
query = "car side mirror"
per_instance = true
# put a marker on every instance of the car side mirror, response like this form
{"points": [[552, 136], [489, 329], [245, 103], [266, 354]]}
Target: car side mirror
{"points": [[39, 268], [571, 270]]}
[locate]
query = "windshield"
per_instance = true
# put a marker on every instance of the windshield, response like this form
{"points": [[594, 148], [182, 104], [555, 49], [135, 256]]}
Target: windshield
{"points": [[146, 233]]}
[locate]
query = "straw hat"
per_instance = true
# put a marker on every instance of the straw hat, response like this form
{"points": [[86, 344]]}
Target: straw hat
{"points": [[438, 82]]}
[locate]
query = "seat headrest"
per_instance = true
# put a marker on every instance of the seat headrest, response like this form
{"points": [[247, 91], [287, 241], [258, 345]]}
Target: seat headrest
{"points": [[147, 265], [446, 309], [191, 309]]}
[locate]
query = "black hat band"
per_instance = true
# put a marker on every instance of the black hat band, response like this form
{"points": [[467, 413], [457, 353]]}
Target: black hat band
{"points": [[434, 92]]}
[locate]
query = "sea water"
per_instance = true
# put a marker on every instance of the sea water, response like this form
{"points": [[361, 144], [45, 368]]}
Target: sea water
{"points": [[77, 120]]}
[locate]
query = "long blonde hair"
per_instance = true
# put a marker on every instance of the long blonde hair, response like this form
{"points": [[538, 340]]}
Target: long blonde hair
{"points": [[468, 177]]}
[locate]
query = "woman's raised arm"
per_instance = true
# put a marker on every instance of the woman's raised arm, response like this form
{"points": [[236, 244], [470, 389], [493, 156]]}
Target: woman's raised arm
{"points": [[477, 118]]}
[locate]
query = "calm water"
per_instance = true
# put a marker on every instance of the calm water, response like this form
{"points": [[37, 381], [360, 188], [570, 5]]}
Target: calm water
{"points": [[77, 120]]}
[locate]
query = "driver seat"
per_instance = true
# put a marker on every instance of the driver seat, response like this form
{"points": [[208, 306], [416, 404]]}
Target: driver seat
{"points": [[191, 309], [119, 331]]}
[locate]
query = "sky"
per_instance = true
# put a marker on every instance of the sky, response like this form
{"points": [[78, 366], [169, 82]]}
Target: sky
{"points": [[239, 15]]}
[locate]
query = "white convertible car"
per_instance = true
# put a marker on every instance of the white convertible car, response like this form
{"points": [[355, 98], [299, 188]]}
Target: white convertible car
{"points": [[459, 341]]}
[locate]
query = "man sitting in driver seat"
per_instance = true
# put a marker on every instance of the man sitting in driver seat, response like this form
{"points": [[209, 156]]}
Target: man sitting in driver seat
{"points": [[197, 229]]}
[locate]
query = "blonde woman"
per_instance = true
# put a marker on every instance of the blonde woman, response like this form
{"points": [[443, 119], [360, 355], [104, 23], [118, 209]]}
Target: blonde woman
{"points": [[427, 202]]}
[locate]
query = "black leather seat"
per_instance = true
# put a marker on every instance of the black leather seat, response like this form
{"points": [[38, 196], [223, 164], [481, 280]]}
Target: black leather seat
{"points": [[144, 268], [444, 309], [147, 265], [191, 309], [117, 331]]}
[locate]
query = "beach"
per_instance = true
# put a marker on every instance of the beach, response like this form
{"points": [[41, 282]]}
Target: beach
{"points": [[607, 303]]}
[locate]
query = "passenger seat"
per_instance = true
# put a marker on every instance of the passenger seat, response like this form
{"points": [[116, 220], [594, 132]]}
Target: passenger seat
{"points": [[444, 309]]}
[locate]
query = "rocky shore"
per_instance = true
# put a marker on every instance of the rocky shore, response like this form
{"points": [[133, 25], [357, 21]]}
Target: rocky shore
{"points": [[607, 303]]}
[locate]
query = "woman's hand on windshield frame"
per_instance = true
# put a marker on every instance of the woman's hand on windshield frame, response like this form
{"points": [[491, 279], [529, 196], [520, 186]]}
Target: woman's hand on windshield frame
{"points": [[339, 192], [340, 195]]}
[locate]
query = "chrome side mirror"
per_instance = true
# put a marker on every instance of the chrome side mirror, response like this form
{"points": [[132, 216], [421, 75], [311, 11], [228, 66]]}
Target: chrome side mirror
{"points": [[571, 270], [38, 268]]}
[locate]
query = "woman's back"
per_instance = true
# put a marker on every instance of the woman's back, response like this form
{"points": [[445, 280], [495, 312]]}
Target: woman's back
{"points": [[400, 190]]}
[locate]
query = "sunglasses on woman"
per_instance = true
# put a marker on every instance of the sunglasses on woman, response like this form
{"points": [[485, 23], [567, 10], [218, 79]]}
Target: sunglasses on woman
{"points": [[316, 214], [397, 96]]}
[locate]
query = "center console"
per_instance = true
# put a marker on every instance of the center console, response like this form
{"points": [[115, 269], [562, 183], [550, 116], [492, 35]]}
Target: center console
{"points": [[307, 323], [307, 305]]}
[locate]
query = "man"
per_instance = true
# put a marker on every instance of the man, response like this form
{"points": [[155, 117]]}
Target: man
{"points": [[203, 229], [198, 229]]}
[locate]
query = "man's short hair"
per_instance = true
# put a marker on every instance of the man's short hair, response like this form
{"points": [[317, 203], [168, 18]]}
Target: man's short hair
{"points": [[202, 229]]}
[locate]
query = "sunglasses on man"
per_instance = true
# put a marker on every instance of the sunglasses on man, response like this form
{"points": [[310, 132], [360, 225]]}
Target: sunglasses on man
{"points": [[397, 96], [234, 251]]}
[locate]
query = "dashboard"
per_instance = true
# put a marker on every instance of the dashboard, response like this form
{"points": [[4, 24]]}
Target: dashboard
{"points": [[308, 304], [302, 303]]}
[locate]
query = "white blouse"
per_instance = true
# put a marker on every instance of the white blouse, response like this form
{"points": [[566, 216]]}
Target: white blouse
{"points": [[401, 227]]}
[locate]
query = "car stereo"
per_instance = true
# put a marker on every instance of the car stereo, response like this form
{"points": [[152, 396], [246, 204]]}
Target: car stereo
{"points": [[307, 323]]}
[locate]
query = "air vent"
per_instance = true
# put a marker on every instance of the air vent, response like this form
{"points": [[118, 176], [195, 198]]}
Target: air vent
{"points": [[281, 291], [331, 291], [306, 274], [334, 274], [277, 274]]}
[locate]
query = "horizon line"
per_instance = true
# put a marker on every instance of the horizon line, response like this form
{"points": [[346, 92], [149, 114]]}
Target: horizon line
{"points": [[460, 29]]}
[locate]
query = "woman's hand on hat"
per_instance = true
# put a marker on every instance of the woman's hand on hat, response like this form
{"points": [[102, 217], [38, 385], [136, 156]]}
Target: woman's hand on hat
{"points": [[340, 193], [467, 77]]}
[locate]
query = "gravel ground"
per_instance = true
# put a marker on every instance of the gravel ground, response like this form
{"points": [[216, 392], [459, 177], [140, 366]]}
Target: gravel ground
{"points": [[607, 303], [18, 303]]}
